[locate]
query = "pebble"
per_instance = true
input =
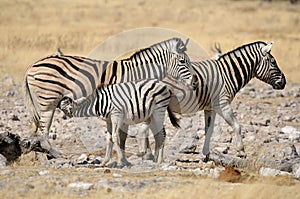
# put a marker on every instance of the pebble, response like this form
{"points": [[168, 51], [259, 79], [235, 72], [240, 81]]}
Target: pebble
{"points": [[292, 133], [82, 159], [116, 175], [272, 172], [7, 173], [43, 172], [3, 161], [296, 170], [81, 185]]}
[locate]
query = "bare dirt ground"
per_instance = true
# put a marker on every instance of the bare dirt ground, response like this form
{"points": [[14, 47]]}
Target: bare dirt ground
{"points": [[33, 29]]}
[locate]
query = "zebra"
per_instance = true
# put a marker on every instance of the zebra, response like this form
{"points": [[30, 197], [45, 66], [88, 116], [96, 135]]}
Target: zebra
{"points": [[219, 81], [52, 78], [124, 104]]}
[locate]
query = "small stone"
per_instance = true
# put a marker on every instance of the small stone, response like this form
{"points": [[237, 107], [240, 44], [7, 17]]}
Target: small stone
{"points": [[81, 185], [198, 172], [15, 118], [296, 170], [3, 161], [43, 172], [97, 160], [83, 159], [107, 171], [189, 145], [292, 133], [271, 172], [10, 93], [116, 175], [7, 173]]}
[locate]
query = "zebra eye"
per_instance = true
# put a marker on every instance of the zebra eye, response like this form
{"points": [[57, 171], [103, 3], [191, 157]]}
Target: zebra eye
{"points": [[272, 60], [181, 61]]}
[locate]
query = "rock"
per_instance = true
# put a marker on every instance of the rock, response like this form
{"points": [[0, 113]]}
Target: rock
{"points": [[97, 160], [296, 170], [271, 172], [81, 185], [188, 146], [10, 93], [83, 159], [116, 175], [7, 173], [3, 161], [43, 172], [15, 118], [292, 133]]}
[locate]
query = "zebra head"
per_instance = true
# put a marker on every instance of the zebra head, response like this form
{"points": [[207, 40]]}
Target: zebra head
{"points": [[180, 64], [267, 70]]}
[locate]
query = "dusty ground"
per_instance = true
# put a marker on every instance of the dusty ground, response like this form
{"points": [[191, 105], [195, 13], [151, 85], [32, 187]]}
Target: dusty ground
{"points": [[33, 29]]}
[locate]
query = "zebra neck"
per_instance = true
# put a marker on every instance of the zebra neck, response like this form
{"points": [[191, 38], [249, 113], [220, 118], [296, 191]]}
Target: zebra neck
{"points": [[237, 70], [141, 66], [97, 104]]}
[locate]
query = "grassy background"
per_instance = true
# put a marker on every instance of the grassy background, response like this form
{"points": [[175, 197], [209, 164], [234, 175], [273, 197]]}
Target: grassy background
{"points": [[32, 29]]}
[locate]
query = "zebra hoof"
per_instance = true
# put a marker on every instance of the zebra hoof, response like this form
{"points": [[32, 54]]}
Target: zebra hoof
{"points": [[206, 159]]}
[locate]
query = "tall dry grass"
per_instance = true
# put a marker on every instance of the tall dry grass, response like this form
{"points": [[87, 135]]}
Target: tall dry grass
{"points": [[32, 29]]}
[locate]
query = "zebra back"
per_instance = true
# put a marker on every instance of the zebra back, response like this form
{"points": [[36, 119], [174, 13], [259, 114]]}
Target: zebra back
{"points": [[136, 100]]}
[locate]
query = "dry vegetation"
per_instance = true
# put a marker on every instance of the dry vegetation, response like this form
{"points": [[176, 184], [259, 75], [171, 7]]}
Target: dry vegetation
{"points": [[31, 29]]}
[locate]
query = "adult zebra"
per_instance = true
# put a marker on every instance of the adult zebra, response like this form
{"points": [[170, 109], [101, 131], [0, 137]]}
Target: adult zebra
{"points": [[124, 104], [50, 79], [219, 82]]}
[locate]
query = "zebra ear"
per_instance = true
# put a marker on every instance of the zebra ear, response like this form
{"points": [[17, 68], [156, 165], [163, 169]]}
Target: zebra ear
{"points": [[181, 47], [267, 48]]}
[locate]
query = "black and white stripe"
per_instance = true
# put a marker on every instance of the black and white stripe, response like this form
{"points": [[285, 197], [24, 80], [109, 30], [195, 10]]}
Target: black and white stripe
{"points": [[219, 82], [124, 104], [55, 77]]}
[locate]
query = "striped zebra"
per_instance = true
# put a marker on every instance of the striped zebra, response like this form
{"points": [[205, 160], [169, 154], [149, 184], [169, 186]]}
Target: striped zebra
{"points": [[219, 82], [52, 78], [124, 104]]}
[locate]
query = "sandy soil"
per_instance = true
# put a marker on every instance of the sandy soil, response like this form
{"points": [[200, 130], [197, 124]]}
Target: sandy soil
{"points": [[32, 29]]}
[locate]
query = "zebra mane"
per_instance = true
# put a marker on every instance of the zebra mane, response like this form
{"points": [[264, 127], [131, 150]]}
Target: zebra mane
{"points": [[174, 45], [243, 47]]}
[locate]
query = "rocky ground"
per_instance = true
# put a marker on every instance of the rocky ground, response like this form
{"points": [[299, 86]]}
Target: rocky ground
{"points": [[270, 124]]}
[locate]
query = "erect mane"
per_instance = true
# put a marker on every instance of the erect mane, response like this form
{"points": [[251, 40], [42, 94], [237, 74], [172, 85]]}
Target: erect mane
{"points": [[243, 47], [170, 44]]}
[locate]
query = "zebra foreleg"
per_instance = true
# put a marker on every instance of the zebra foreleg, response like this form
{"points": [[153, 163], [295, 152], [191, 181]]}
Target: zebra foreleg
{"points": [[209, 128], [227, 114], [116, 128], [109, 143]]}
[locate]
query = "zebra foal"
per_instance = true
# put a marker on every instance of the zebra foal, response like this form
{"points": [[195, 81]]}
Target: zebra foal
{"points": [[124, 104]]}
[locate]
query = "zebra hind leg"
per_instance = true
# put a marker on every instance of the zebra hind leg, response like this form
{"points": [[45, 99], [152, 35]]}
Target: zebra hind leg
{"points": [[44, 126], [143, 142], [159, 146]]}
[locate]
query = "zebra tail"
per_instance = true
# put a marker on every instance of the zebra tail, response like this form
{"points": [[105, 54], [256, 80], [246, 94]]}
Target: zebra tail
{"points": [[30, 104], [173, 119]]}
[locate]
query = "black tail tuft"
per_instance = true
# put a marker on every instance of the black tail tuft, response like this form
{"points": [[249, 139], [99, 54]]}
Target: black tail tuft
{"points": [[174, 120]]}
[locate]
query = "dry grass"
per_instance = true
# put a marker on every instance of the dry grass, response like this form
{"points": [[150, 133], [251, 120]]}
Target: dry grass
{"points": [[33, 29]]}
